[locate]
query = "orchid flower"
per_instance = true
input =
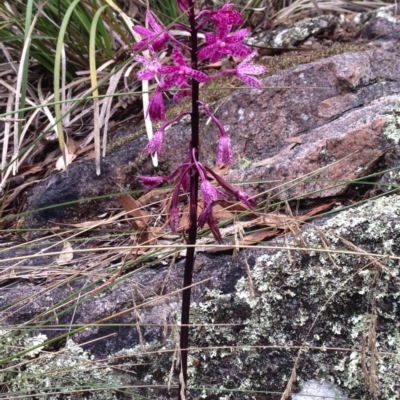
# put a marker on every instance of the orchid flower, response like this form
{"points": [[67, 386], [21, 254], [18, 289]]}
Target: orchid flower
{"points": [[157, 38], [224, 43], [156, 143], [226, 15], [156, 108], [152, 66], [224, 153], [191, 174], [178, 73], [245, 69]]}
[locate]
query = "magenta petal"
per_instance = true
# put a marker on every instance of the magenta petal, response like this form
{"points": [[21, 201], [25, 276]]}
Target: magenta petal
{"points": [[179, 95], [156, 143], [141, 59], [222, 30], [245, 199], [203, 217], [210, 38], [183, 5], [251, 69], [146, 75], [212, 223], [156, 107], [207, 52], [198, 75], [216, 56], [227, 7], [236, 50], [224, 154], [207, 216], [178, 57], [151, 181], [168, 69], [153, 23], [169, 81], [159, 43], [250, 81], [210, 193], [237, 36], [139, 46], [142, 31]]}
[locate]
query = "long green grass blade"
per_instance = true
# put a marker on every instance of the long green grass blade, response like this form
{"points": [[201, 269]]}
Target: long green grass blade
{"points": [[57, 72], [93, 80]]}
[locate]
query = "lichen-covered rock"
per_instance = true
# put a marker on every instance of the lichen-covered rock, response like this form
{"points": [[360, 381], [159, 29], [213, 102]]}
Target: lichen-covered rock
{"points": [[67, 375], [327, 303], [338, 299]]}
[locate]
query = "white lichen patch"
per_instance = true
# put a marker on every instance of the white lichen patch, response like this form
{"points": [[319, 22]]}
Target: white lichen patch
{"points": [[313, 389], [64, 374], [297, 32], [392, 126], [34, 343], [388, 14]]}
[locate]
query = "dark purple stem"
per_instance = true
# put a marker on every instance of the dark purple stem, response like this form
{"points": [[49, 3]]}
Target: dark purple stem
{"points": [[194, 184]]}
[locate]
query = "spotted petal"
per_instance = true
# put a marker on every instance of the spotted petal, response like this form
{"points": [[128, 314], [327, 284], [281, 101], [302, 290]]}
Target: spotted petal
{"points": [[249, 81]]}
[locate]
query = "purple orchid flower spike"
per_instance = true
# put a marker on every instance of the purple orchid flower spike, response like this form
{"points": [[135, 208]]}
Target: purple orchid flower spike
{"points": [[184, 77], [224, 43], [157, 38], [152, 66], [178, 73], [246, 68], [224, 153]]}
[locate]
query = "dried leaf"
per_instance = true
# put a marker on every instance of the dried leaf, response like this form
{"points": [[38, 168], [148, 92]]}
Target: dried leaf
{"points": [[66, 255], [258, 236], [69, 157], [221, 213], [318, 210], [154, 195], [184, 221], [133, 208]]}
